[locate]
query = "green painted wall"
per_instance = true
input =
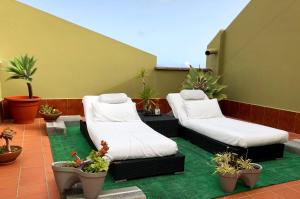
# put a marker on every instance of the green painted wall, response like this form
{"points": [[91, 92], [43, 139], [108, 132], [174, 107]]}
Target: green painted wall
{"points": [[260, 55], [73, 61]]}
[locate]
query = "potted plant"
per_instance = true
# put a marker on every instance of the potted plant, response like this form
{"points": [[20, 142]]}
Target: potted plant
{"points": [[229, 166], [228, 176], [23, 109], [49, 113], [90, 172], [227, 170], [205, 80], [250, 172], [147, 94], [8, 153]]}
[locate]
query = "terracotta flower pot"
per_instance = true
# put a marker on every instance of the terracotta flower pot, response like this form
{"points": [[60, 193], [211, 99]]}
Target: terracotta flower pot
{"points": [[228, 181], [65, 177], [8, 158], [50, 117], [22, 109], [250, 177]]}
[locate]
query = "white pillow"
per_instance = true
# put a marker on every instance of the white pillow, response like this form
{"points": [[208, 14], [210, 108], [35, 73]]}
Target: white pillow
{"points": [[193, 94], [201, 109], [124, 112], [113, 98]]}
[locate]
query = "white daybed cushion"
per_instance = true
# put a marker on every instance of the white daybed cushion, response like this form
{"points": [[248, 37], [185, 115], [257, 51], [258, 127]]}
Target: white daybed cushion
{"points": [[124, 112], [201, 109], [193, 94], [113, 98], [236, 132], [127, 140], [131, 140], [226, 130]]}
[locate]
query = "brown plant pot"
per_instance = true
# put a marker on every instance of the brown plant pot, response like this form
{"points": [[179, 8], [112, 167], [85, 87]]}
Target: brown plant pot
{"points": [[50, 117], [250, 177], [66, 177], [228, 181], [8, 158], [22, 109]]}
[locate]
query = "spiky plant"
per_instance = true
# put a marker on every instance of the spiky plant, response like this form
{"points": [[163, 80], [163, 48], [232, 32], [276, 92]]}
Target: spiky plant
{"points": [[206, 81], [147, 93], [244, 163], [226, 169], [7, 134], [22, 68], [221, 158]]}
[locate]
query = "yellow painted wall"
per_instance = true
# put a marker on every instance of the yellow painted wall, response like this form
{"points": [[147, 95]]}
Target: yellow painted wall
{"points": [[260, 59], [73, 61]]}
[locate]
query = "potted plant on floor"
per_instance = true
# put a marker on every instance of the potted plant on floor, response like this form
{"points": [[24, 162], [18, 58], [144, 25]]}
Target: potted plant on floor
{"points": [[228, 176], [8, 153], [49, 113], [250, 172], [227, 170], [230, 168], [23, 109], [90, 172]]}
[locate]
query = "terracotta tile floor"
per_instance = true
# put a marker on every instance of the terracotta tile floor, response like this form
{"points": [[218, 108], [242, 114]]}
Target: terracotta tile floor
{"points": [[31, 177]]}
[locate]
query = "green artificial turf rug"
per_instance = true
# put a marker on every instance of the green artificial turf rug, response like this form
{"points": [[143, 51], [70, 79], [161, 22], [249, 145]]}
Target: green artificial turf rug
{"points": [[196, 182]]}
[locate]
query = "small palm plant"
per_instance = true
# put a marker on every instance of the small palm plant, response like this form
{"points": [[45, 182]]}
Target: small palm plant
{"points": [[7, 134], [22, 68], [206, 81]]}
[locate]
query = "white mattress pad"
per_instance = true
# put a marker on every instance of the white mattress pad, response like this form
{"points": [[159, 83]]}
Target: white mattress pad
{"points": [[127, 140]]}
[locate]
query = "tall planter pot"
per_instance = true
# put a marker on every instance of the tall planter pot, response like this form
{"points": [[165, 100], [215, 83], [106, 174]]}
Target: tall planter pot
{"points": [[66, 177], [228, 181], [22, 109], [250, 177]]}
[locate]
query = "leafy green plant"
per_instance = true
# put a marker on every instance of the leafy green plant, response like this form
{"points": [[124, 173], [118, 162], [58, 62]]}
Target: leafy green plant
{"points": [[7, 134], [48, 110], [244, 164], [206, 81], [22, 68], [94, 163], [97, 164], [147, 94]]}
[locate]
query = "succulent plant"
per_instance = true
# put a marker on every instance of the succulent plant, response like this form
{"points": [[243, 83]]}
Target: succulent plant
{"points": [[94, 162], [48, 110]]}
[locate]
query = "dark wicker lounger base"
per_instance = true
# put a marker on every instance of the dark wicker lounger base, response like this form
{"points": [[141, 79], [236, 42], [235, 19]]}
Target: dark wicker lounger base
{"points": [[144, 167], [257, 154]]}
